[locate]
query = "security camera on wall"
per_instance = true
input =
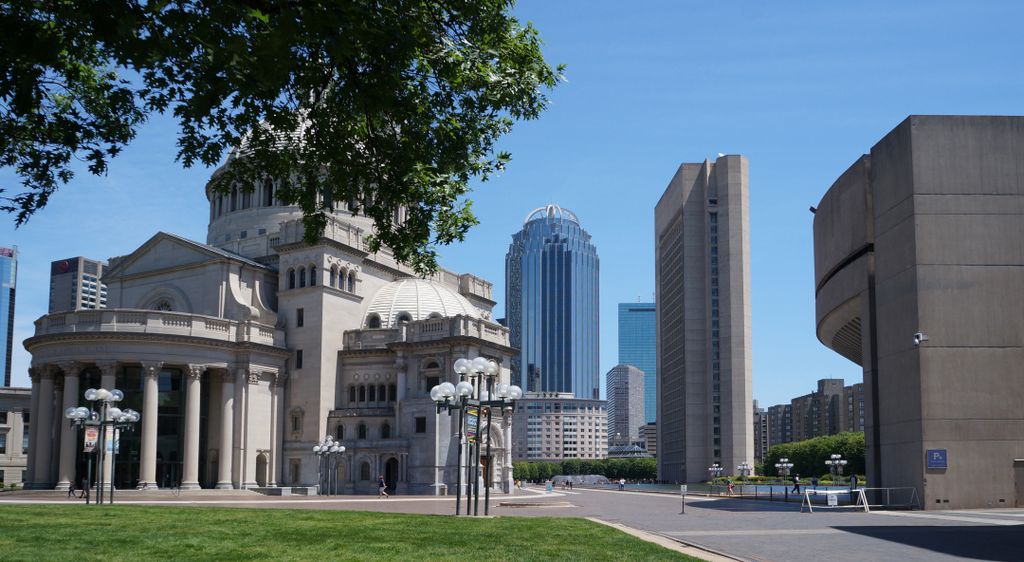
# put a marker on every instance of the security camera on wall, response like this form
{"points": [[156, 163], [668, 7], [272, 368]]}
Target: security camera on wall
{"points": [[918, 338]]}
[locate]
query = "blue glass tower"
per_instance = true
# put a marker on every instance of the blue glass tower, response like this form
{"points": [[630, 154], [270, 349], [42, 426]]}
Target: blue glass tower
{"points": [[638, 347], [551, 299], [8, 281]]}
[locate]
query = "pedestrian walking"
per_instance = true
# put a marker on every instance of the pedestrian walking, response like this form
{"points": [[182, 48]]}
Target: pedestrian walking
{"points": [[796, 484], [728, 483], [71, 490], [382, 487], [85, 489], [622, 484]]}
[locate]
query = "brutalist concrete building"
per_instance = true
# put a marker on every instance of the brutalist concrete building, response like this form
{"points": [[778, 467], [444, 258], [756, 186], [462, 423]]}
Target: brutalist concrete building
{"points": [[919, 267], [702, 281]]}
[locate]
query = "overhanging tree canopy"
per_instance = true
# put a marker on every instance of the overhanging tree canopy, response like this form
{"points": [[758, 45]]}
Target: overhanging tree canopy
{"points": [[394, 104]]}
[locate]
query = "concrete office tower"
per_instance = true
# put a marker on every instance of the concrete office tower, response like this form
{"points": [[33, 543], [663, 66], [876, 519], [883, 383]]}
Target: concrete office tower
{"points": [[75, 284], [625, 391], [761, 434], [780, 424], [551, 284], [638, 331], [8, 286], [918, 269], [553, 426], [702, 268]]}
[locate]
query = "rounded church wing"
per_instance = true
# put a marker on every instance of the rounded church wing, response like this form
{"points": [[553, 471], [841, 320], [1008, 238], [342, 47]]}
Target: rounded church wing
{"points": [[408, 300]]}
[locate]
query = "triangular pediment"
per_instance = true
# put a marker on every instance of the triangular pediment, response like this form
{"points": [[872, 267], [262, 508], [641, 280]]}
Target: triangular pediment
{"points": [[160, 253]]}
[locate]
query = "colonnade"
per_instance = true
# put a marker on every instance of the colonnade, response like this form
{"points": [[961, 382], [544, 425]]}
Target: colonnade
{"points": [[54, 441]]}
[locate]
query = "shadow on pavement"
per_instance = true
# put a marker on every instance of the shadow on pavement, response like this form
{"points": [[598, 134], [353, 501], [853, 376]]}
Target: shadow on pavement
{"points": [[980, 542], [737, 504]]}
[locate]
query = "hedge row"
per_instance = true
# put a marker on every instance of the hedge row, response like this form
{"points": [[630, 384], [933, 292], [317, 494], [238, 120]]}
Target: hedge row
{"points": [[631, 469]]}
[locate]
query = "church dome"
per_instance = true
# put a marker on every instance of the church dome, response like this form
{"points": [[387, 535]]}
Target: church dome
{"points": [[408, 300]]}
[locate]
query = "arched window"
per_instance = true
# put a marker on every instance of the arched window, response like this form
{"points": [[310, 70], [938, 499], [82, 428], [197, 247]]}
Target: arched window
{"points": [[268, 193], [362, 430], [332, 279], [302, 277], [362, 393], [234, 198], [163, 304], [341, 432], [246, 199], [373, 321], [364, 471], [382, 393], [385, 431], [220, 204], [291, 278], [392, 393], [351, 394], [372, 392], [403, 317], [312, 275], [351, 282]]}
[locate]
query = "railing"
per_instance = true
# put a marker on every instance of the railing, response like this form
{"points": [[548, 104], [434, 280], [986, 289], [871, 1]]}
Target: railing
{"points": [[429, 329], [126, 320]]}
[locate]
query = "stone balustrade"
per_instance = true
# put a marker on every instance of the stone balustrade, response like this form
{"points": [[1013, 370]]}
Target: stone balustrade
{"points": [[427, 330], [128, 320]]}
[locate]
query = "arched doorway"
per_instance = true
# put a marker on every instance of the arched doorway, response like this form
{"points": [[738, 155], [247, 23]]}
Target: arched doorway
{"points": [[261, 470], [391, 474]]}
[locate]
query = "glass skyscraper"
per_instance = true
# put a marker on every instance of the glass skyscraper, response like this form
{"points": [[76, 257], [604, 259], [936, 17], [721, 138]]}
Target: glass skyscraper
{"points": [[551, 300], [638, 330], [8, 281]]}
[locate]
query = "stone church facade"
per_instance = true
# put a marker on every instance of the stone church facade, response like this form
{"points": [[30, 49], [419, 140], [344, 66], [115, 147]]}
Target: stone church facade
{"points": [[243, 352]]}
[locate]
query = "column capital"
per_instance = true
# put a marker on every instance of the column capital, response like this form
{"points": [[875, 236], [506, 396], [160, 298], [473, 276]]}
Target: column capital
{"points": [[34, 373], [255, 376], [46, 371], [70, 368], [151, 368], [196, 370], [280, 378], [107, 368]]}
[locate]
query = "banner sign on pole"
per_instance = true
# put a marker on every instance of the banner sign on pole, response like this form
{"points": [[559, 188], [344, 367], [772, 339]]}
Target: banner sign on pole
{"points": [[109, 438], [472, 422], [92, 435]]}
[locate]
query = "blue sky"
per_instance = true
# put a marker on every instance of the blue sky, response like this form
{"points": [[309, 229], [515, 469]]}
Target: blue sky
{"points": [[800, 88]]}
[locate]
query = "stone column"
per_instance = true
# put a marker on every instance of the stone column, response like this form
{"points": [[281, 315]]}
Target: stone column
{"points": [[68, 432], [247, 455], [274, 452], [227, 431], [150, 415], [108, 380], [33, 374], [279, 468], [402, 379], [238, 453], [43, 418], [190, 474]]}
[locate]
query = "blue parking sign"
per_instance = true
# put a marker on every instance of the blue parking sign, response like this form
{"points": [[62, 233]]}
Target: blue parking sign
{"points": [[937, 458]]}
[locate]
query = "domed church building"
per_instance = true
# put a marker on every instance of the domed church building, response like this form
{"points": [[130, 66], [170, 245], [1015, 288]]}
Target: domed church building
{"points": [[243, 352]]}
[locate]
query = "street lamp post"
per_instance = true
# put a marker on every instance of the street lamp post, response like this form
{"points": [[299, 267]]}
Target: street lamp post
{"points": [[328, 454], [714, 471], [481, 392], [783, 466], [745, 469], [109, 416], [835, 465]]}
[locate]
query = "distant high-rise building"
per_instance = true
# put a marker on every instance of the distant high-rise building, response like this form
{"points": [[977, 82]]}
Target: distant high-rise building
{"points": [[551, 299], [649, 434], [820, 412], [780, 424], [75, 284], [853, 399], [8, 286], [761, 441], [702, 279], [552, 426], [625, 391], [638, 336]]}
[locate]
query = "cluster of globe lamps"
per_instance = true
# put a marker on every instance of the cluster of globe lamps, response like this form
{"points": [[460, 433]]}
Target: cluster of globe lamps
{"points": [[109, 416]]}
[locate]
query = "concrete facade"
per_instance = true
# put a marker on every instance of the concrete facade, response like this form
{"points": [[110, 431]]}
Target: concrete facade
{"points": [[625, 391], [14, 424], [255, 346], [702, 281], [553, 426], [925, 235], [76, 283]]}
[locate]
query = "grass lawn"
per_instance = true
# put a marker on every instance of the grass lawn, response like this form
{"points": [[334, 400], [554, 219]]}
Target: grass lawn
{"points": [[61, 532]]}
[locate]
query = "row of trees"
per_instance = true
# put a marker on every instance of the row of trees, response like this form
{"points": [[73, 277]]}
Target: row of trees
{"points": [[808, 457], [631, 469]]}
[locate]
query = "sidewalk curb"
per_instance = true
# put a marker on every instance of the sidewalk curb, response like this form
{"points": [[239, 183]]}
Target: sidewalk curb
{"points": [[671, 543]]}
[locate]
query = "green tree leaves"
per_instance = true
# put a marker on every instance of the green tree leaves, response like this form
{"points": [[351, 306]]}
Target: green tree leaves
{"points": [[397, 105], [808, 457]]}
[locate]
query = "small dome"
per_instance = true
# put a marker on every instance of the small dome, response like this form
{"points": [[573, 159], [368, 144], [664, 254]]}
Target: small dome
{"points": [[409, 300], [551, 212]]}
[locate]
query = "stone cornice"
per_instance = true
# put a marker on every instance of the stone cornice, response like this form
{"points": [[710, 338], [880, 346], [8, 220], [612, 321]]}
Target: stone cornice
{"points": [[73, 337]]}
